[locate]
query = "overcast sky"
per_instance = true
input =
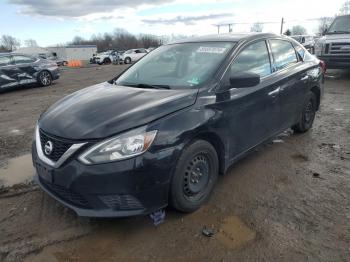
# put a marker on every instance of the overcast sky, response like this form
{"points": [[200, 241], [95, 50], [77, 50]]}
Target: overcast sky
{"points": [[58, 21]]}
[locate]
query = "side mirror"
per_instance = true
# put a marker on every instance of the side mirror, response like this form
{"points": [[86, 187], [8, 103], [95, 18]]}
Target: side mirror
{"points": [[244, 79]]}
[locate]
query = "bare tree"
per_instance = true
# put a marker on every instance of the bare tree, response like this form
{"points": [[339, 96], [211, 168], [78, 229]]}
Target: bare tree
{"points": [[9, 43], [324, 23], [30, 43], [287, 32], [298, 30], [257, 27]]}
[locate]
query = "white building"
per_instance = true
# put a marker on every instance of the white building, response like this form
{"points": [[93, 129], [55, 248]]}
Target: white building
{"points": [[74, 52]]}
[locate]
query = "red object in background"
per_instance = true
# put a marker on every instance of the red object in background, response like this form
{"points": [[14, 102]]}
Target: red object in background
{"points": [[323, 66]]}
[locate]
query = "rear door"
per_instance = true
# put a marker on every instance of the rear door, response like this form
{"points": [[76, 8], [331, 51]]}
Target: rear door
{"points": [[294, 80], [8, 72], [27, 71]]}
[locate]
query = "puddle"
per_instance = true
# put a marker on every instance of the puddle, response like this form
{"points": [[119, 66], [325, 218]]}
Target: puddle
{"points": [[17, 170], [234, 233]]}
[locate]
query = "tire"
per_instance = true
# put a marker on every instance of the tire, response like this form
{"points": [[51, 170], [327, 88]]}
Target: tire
{"points": [[194, 178], [127, 60], [45, 78], [107, 61], [307, 115]]}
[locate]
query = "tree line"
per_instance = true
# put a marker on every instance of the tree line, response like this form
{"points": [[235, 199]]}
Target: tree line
{"points": [[119, 39]]}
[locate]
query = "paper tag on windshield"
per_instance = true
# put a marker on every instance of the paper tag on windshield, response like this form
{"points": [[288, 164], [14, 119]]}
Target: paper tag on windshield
{"points": [[211, 50]]}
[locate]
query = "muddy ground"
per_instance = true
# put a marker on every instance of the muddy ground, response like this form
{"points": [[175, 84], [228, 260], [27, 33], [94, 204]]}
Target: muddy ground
{"points": [[287, 201]]}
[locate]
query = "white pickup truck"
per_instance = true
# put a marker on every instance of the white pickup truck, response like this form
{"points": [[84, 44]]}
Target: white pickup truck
{"points": [[334, 47]]}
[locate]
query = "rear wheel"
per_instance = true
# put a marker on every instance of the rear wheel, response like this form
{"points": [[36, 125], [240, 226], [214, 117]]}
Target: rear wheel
{"points": [[307, 115], [45, 78], [195, 175]]}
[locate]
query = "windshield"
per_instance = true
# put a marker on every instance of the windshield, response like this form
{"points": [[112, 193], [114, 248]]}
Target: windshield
{"points": [[340, 25], [178, 65]]}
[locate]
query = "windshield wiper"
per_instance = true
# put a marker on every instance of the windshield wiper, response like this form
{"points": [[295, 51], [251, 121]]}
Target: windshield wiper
{"points": [[150, 86]]}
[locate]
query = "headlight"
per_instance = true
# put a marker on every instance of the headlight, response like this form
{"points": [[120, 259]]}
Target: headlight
{"points": [[123, 146]]}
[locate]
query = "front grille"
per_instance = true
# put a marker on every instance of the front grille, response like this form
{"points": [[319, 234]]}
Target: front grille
{"points": [[59, 146], [67, 195], [339, 48], [121, 202], [326, 50]]}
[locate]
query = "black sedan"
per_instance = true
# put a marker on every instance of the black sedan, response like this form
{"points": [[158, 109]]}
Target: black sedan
{"points": [[162, 131], [19, 69]]}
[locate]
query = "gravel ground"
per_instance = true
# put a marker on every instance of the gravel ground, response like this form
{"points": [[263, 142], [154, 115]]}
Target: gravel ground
{"points": [[287, 201]]}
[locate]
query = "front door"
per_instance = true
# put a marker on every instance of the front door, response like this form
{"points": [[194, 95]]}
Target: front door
{"points": [[251, 114]]}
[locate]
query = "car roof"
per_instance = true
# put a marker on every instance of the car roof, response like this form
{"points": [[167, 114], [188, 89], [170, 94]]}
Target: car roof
{"points": [[226, 37]]}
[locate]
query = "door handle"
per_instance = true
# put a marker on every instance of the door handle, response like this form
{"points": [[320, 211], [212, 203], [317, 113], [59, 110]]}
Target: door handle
{"points": [[304, 78], [275, 92]]}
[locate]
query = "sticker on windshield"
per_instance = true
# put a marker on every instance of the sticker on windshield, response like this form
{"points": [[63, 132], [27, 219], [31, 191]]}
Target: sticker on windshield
{"points": [[211, 50], [193, 81]]}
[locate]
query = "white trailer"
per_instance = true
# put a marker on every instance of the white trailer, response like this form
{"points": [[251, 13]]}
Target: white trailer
{"points": [[74, 52]]}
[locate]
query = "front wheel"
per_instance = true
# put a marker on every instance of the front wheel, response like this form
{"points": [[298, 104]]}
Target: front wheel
{"points": [[45, 78], [107, 61], [127, 60], [307, 115], [195, 175]]}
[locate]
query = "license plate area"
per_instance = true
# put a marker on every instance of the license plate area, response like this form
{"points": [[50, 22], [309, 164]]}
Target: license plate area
{"points": [[44, 172]]}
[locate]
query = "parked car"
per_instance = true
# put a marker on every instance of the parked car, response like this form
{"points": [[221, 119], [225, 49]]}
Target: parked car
{"points": [[307, 41], [54, 59], [162, 131], [133, 55], [106, 57], [18, 69], [334, 46]]}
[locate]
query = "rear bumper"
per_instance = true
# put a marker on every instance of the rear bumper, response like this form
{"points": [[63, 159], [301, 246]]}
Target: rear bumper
{"points": [[336, 62], [55, 73]]}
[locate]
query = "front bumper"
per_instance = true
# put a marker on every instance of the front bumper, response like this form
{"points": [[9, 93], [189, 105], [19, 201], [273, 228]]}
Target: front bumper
{"points": [[336, 61], [130, 187]]}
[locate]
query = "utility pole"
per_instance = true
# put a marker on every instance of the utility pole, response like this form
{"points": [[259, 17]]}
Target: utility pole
{"points": [[218, 29], [229, 28], [282, 25]]}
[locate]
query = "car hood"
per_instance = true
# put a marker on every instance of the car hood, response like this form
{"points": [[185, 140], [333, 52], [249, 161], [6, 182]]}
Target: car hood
{"points": [[105, 109], [332, 37]]}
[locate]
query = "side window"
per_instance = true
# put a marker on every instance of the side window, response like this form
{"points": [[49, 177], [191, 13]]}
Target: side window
{"points": [[283, 53], [5, 60], [137, 51], [254, 58], [19, 59]]}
